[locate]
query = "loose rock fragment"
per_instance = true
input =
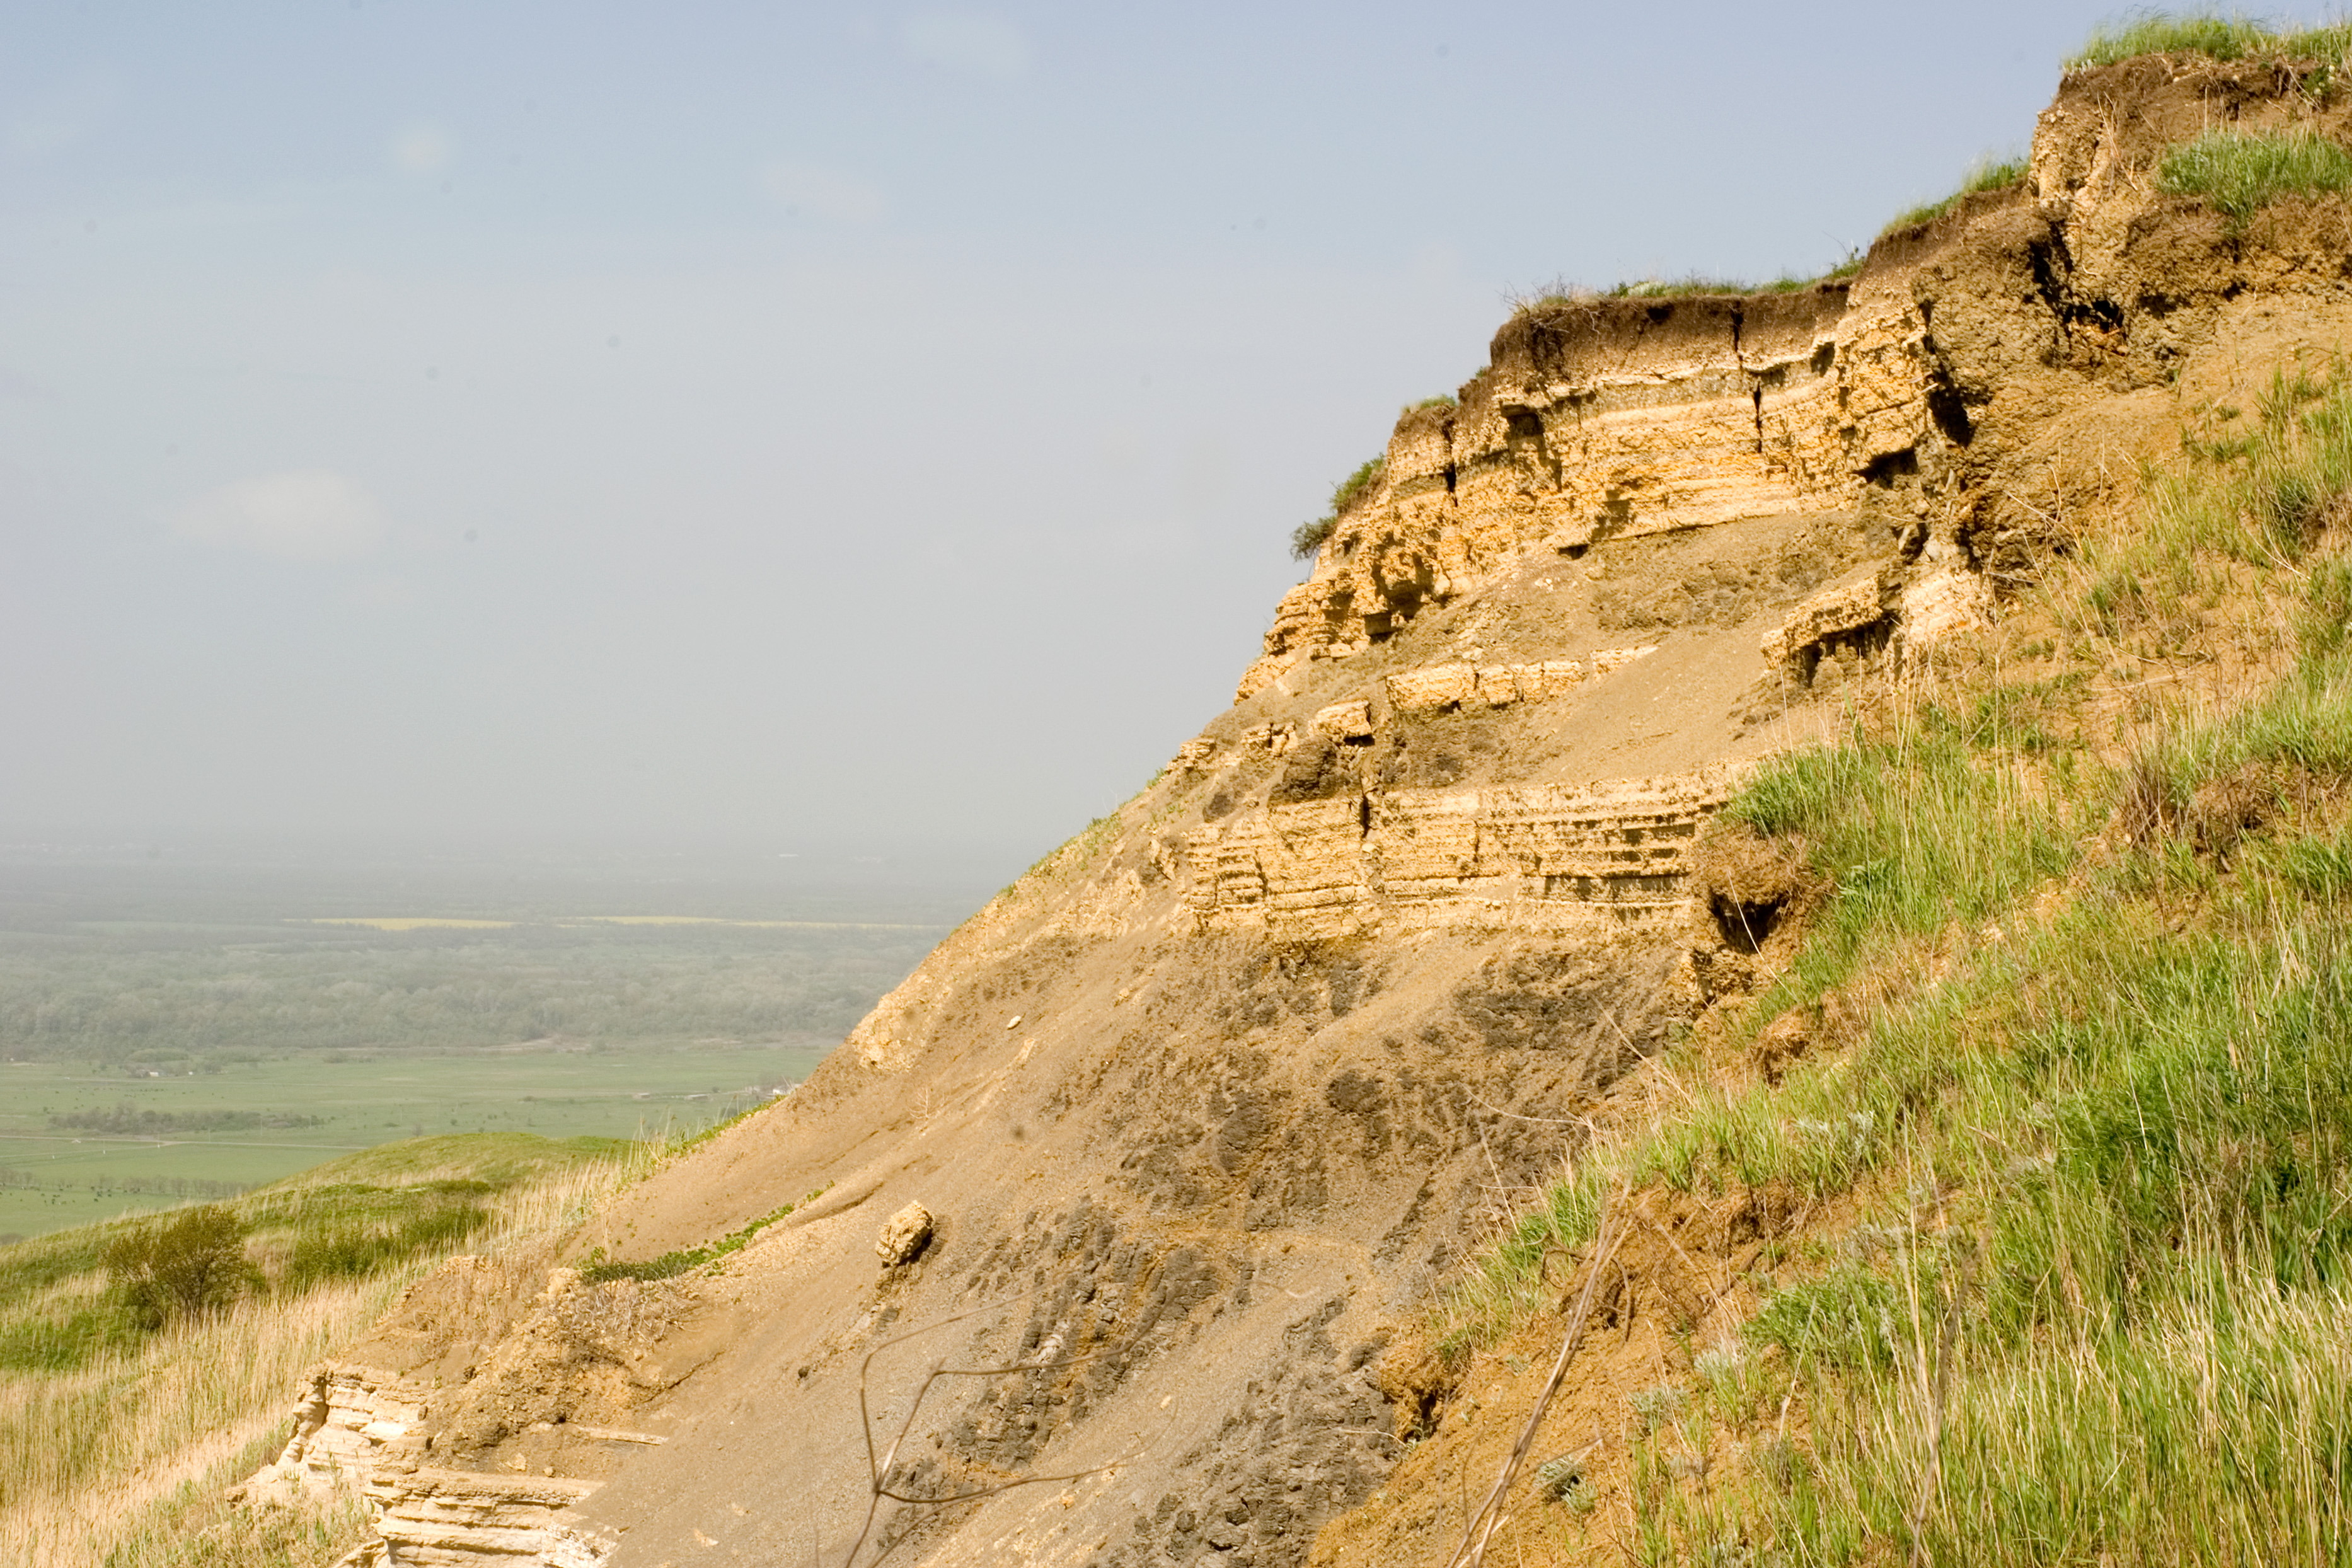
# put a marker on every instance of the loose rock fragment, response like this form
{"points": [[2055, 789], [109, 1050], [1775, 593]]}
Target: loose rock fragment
{"points": [[905, 1235]]}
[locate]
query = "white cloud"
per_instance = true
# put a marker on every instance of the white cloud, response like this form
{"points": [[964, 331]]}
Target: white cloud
{"points": [[422, 149], [966, 41], [311, 514], [823, 193]]}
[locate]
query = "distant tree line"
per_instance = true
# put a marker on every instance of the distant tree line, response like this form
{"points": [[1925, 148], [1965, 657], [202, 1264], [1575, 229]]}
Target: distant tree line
{"points": [[162, 1186], [130, 1120]]}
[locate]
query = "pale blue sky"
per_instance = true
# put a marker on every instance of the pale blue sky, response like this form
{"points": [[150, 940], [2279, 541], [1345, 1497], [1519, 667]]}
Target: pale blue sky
{"points": [[795, 425]]}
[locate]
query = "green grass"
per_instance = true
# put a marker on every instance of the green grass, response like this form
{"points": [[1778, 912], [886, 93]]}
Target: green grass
{"points": [[1563, 295], [53, 1176], [2232, 37], [2238, 172], [1990, 175], [1308, 537], [355, 1218], [1696, 286], [669, 1265], [2085, 1066]]}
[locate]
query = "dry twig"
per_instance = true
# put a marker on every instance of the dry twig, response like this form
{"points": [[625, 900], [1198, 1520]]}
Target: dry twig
{"points": [[1482, 1526]]}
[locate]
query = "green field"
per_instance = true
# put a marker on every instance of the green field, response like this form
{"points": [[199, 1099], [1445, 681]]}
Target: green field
{"points": [[169, 1034], [61, 1175]]}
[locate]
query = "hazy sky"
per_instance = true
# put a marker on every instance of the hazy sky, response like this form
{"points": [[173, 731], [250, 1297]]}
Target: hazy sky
{"points": [[797, 425]]}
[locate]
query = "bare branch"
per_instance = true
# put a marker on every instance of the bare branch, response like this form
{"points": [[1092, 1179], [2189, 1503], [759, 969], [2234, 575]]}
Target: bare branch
{"points": [[1483, 1524], [879, 1466]]}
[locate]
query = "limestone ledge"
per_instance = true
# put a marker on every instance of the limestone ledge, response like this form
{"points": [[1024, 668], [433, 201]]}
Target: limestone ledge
{"points": [[347, 1420], [1204, 755], [359, 1430], [458, 1518], [1841, 612], [1437, 687], [1530, 857]]}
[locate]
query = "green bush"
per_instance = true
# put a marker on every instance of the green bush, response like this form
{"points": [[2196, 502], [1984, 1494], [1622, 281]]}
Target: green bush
{"points": [[182, 1266], [1308, 537], [2239, 173]]}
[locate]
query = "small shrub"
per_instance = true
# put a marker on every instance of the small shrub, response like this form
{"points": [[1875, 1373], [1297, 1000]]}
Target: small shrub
{"points": [[1656, 1405], [2239, 173], [1844, 1317], [1308, 537], [1562, 1481], [180, 1268]]}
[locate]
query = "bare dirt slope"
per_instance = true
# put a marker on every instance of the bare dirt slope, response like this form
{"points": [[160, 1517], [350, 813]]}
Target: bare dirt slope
{"points": [[1205, 1109]]}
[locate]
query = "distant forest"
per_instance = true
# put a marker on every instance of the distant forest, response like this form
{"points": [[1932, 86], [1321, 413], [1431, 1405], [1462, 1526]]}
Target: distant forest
{"points": [[125, 999]]}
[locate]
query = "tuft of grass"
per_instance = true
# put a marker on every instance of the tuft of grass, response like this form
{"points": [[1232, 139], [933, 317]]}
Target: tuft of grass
{"points": [[1308, 537], [1697, 285], [2217, 36], [1988, 175], [2238, 172], [670, 1265], [1562, 295]]}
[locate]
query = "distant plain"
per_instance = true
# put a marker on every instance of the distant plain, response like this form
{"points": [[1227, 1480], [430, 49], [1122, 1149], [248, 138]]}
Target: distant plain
{"points": [[177, 1032]]}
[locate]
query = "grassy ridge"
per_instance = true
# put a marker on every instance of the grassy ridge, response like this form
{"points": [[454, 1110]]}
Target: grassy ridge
{"points": [[2215, 35], [2084, 1059]]}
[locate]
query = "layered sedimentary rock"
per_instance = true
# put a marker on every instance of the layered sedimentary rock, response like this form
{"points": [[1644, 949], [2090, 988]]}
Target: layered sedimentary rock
{"points": [[362, 1431], [1452, 686], [1610, 419], [463, 1519], [1545, 858], [347, 1420]]}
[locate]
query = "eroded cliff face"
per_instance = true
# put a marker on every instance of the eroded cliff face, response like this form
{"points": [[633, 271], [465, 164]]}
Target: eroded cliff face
{"points": [[1977, 377], [1208, 1106]]}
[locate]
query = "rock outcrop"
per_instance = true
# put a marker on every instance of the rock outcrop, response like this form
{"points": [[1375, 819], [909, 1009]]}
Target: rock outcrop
{"points": [[1966, 386], [1202, 1112], [1536, 858]]}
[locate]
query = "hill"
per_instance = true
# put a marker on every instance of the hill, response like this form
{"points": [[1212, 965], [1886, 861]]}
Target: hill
{"points": [[1754, 975]]}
